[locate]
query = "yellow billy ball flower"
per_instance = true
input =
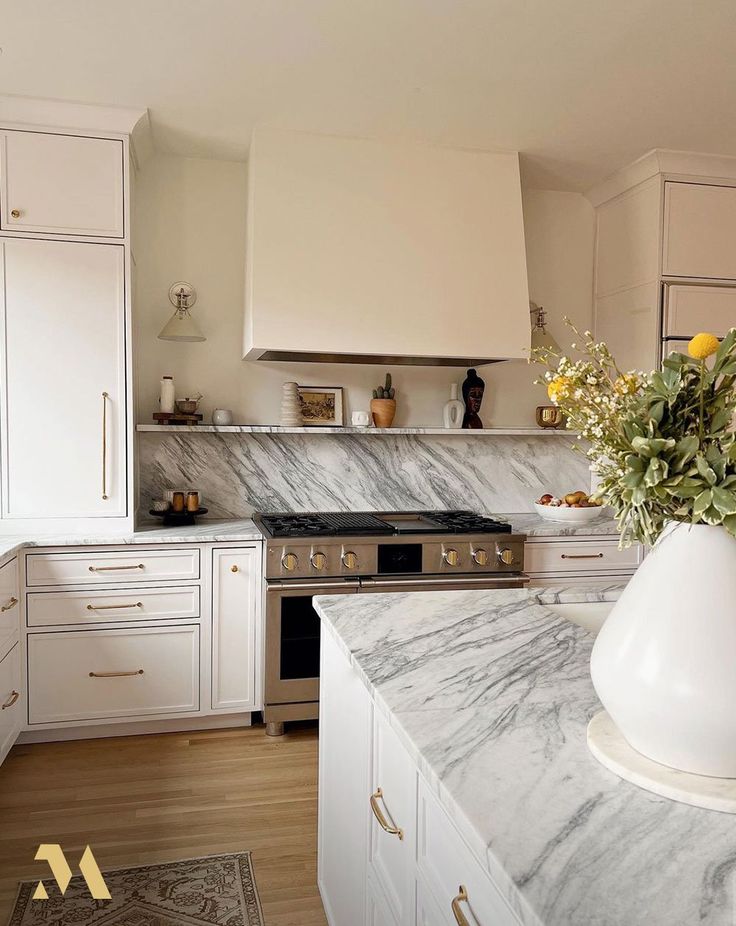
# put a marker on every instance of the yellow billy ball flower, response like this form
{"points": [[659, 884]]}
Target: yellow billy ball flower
{"points": [[703, 345], [558, 388]]}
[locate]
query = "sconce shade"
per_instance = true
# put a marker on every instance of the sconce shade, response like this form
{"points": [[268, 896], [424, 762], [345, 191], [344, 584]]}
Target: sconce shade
{"points": [[181, 326]]}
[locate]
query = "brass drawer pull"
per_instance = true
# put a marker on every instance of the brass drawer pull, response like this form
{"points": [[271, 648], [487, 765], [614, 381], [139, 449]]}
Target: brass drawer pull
{"points": [[115, 674], [14, 695], [379, 815], [9, 606], [104, 445], [581, 556], [113, 607], [114, 568], [462, 897], [15, 213]]}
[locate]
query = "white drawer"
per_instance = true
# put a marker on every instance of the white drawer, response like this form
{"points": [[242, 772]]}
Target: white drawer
{"points": [[690, 309], [445, 863], [9, 606], [98, 674], [111, 605], [10, 700], [394, 799], [95, 568], [580, 556]]}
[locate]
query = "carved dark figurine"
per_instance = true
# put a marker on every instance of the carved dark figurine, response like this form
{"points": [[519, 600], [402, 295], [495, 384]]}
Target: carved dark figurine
{"points": [[473, 389]]}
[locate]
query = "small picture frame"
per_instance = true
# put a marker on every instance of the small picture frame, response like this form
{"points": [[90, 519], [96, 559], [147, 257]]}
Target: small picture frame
{"points": [[322, 406]]}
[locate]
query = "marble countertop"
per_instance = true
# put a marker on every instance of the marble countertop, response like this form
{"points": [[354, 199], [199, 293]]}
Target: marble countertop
{"points": [[490, 692], [204, 532], [532, 525], [234, 531]]}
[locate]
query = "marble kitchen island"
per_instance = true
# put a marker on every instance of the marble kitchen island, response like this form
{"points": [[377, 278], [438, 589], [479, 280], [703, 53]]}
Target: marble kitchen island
{"points": [[489, 693]]}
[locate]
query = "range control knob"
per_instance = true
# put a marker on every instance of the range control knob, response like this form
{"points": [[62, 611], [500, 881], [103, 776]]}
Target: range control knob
{"points": [[318, 560], [451, 557], [480, 557], [290, 561], [350, 559], [506, 556]]}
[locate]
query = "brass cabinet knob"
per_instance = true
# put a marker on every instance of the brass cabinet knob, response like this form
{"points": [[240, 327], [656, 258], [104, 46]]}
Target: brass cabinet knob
{"points": [[506, 556], [15, 213], [480, 557], [290, 561], [350, 559], [318, 560], [233, 569], [451, 557]]}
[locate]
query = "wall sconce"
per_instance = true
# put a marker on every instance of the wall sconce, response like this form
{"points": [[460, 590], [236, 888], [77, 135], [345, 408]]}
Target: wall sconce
{"points": [[181, 326], [541, 338]]}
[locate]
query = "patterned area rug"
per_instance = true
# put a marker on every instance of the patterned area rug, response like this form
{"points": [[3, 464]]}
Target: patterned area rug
{"points": [[219, 889]]}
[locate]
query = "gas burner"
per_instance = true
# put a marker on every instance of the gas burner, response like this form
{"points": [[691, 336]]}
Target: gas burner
{"points": [[467, 522], [297, 525]]}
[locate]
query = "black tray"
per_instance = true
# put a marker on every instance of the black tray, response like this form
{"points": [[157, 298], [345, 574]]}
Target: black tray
{"points": [[178, 518]]}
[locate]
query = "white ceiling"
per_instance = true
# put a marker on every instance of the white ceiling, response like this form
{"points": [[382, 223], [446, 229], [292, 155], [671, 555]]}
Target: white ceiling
{"points": [[580, 87]]}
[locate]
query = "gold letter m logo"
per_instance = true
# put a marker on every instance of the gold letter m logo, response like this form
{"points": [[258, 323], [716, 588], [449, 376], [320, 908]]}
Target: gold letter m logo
{"points": [[53, 854]]}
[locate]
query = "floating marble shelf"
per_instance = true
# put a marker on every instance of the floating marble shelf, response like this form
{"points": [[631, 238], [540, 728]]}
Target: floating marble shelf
{"points": [[338, 432]]}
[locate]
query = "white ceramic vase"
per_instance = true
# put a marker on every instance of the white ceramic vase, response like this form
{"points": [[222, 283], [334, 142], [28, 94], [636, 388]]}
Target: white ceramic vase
{"points": [[664, 663]]}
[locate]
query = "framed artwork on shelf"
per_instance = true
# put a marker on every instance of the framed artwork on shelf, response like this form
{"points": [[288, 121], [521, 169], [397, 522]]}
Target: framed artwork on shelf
{"points": [[322, 406]]}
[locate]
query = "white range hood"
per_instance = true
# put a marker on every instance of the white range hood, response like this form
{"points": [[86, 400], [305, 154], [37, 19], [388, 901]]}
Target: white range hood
{"points": [[371, 251]]}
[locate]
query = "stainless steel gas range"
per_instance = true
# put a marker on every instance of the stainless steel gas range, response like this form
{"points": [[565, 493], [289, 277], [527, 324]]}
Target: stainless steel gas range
{"points": [[362, 552]]}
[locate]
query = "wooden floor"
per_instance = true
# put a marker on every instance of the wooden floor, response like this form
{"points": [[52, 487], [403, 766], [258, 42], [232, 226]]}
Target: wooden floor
{"points": [[162, 797]]}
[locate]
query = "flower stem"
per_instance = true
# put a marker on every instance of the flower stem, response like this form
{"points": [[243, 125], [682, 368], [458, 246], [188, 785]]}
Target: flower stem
{"points": [[702, 401]]}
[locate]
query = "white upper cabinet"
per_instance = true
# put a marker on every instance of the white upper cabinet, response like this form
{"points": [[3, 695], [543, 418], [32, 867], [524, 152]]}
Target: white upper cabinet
{"points": [[61, 184], [699, 231], [62, 360], [360, 247]]}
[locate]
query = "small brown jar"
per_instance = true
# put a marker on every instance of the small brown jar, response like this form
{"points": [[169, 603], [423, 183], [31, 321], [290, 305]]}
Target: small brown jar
{"points": [[177, 501], [193, 501]]}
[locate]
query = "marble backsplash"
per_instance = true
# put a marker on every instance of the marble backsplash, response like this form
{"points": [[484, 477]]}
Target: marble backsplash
{"points": [[238, 474]]}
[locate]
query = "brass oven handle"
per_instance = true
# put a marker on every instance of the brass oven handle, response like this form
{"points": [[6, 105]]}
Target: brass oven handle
{"points": [[379, 815], [581, 556], [322, 588], [114, 568], [104, 445], [10, 605], [462, 897], [115, 674], [113, 607], [14, 695]]}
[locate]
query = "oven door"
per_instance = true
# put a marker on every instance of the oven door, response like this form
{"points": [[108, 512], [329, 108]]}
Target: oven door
{"points": [[442, 583], [293, 635]]}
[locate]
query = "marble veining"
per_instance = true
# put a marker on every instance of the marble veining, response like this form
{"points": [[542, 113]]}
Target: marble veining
{"points": [[491, 693], [204, 532], [298, 472]]}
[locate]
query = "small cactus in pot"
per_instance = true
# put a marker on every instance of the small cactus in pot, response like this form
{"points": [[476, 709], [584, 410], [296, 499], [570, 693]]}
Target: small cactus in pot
{"points": [[383, 404]]}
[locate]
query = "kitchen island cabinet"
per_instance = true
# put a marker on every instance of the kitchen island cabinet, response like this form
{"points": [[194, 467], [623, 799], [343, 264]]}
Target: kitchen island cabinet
{"points": [[488, 695]]}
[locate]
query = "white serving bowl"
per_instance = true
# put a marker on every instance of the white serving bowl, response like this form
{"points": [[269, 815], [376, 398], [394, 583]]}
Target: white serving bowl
{"points": [[571, 515]]}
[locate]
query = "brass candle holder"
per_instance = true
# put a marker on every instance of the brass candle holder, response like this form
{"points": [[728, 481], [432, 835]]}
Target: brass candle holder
{"points": [[550, 416]]}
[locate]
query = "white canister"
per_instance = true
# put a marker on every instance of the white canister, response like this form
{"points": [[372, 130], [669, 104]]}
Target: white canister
{"points": [[222, 416], [167, 400], [361, 419]]}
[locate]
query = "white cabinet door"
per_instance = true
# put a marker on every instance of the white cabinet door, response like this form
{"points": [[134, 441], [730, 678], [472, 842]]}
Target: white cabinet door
{"points": [[699, 231], [9, 607], [690, 309], [393, 804], [235, 608], [111, 674], [61, 184], [10, 701], [62, 311], [344, 787]]}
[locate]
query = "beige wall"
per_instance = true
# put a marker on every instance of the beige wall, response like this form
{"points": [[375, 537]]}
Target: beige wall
{"points": [[190, 225]]}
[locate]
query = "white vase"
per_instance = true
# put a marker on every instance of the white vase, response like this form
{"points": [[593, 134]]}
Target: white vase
{"points": [[291, 410], [166, 399], [664, 663], [454, 410]]}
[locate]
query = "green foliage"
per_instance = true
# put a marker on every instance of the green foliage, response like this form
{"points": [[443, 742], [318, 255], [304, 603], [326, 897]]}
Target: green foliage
{"points": [[665, 449]]}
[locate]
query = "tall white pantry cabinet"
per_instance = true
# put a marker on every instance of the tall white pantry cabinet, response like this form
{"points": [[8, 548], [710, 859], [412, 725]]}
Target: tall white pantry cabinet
{"points": [[66, 434], [665, 257]]}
